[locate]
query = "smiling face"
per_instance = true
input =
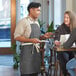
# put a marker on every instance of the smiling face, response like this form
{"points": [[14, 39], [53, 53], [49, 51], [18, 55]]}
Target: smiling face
{"points": [[35, 12], [67, 19]]}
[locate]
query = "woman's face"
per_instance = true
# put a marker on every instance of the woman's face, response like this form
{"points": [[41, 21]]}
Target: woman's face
{"points": [[67, 19]]}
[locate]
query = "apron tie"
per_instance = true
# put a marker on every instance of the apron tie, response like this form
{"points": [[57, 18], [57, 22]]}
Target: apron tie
{"points": [[37, 45]]}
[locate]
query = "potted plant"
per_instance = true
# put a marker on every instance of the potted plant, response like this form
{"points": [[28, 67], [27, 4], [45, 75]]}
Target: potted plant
{"points": [[51, 27], [16, 57]]}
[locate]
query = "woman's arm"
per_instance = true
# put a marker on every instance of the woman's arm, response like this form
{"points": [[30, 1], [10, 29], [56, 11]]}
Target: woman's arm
{"points": [[71, 39]]}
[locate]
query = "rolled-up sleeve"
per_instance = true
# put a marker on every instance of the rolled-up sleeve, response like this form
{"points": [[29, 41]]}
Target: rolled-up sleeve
{"points": [[19, 30]]}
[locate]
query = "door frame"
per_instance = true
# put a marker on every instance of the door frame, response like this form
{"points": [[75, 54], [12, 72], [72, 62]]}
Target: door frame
{"points": [[13, 24]]}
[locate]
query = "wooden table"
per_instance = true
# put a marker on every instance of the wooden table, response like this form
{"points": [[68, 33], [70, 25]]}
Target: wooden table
{"points": [[58, 49]]}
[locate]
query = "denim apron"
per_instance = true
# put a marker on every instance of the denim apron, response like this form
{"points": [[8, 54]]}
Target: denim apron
{"points": [[30, 59]]}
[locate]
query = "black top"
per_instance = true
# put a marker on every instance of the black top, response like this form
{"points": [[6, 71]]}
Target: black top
{"points": [[71, 39], [61, 30]]}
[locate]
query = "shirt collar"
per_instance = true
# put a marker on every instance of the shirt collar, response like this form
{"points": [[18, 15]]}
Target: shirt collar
{"points": [[31, 19]]}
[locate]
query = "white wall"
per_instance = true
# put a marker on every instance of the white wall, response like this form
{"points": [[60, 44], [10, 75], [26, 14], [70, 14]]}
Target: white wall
{"points": [[69, 4], [57, 12], [17, 10], [74, 6], [59, 9], [63, 8], [51, 11]]}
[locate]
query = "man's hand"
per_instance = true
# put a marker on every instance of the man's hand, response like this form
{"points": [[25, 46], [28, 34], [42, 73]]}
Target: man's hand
{"points": [[35, 40], [48, 34]]}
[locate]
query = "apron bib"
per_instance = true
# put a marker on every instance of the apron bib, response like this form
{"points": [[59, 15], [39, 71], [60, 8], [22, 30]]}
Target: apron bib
{"points": [[30, 62]]}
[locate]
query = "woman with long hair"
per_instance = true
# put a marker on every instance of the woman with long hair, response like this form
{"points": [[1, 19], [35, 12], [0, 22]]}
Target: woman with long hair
{"points": [[66, 28], [71, 64]]}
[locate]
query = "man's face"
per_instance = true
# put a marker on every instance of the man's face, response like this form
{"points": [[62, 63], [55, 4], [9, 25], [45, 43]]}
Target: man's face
{"points": [[66, 19], [35, 12]]}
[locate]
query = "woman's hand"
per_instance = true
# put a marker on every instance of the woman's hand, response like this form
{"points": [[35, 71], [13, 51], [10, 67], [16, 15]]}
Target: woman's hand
{"points": [[57, 43]]}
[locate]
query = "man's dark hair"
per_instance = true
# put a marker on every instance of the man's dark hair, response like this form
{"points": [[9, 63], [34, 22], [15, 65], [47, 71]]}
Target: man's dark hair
{"points": [[33, 5]]}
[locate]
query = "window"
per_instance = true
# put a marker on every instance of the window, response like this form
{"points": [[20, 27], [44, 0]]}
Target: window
{"points": [[5, 23], [59, 9], [23, 8], [57, 13]]}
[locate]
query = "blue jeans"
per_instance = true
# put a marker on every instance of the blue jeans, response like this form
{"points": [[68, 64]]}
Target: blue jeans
{"points": [[70, 66]]}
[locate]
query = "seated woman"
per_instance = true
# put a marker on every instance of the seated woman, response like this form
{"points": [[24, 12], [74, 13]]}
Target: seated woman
{"points": [[71, 64], [63, 29]]}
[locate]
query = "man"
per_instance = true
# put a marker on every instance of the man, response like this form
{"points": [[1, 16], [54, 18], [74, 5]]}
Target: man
{"points": [[28, 33]]}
